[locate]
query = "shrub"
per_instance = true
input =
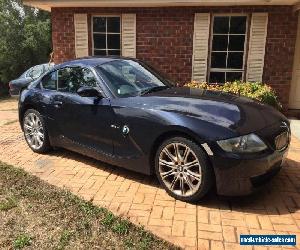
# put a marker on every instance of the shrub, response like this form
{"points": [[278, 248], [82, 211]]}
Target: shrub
{"points": [[254, 90]]}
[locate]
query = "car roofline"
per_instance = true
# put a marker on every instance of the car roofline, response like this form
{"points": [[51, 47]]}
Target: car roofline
{"points": [[92, 61]]}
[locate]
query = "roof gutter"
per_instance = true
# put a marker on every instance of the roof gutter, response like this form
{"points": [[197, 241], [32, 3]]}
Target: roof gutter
{"points": [[48, 4]]}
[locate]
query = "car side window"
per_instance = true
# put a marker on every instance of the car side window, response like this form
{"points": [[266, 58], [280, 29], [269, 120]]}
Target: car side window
{"points": [[70, 79], [28, 72], [50, 81], [37, 71], [89, 79]]}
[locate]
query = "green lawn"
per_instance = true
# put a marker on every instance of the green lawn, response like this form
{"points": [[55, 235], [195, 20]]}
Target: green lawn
{"points": [[36, 215]]}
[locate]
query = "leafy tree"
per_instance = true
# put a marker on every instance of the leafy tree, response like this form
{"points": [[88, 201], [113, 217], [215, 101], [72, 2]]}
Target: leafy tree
{"points": [[25, 39]]}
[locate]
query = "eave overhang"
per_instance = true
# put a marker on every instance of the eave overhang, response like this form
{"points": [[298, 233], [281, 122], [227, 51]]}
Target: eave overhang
{"points": [[48, 4]]}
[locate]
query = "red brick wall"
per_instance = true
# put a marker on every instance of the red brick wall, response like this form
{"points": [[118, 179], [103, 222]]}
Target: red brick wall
{"points": [[280, 48], [63, 38], [165, 39]]}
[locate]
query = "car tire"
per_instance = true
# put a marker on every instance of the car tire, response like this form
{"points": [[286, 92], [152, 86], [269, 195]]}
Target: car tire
{"points": [[35, 131], [192, 171]]}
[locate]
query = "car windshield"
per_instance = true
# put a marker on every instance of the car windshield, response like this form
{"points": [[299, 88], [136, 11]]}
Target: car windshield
{"points": [[130, 78]]}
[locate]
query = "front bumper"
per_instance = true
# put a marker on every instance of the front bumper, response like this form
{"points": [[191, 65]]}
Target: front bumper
{"points": [[235, 177]]}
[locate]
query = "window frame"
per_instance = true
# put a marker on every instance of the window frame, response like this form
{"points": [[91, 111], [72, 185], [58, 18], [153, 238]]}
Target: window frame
{"points": [[101, 85], [113, 33], [49, 73], [82, 68], [246, 44]]}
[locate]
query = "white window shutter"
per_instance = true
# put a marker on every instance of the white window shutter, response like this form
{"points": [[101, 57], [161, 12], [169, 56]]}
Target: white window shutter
{"points": [[200, 46], [129, 35], [257, 47], [81, 35]]}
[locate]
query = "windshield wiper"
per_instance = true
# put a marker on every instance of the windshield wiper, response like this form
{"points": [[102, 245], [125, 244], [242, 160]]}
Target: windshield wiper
{"points": [[153, 89]]}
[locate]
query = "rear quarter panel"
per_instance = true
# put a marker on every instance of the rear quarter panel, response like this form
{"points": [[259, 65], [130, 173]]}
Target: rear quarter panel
{"points": [[31, 99]]}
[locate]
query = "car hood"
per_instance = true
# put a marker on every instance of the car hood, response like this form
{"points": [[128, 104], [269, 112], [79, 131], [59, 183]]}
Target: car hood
{"points": [[239, 114]]}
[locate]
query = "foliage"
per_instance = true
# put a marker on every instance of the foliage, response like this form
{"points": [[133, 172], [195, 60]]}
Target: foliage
{"points": [[108, 220], [255, 90], [25, 39], [8, 204], [121, 227], [22, 241]]}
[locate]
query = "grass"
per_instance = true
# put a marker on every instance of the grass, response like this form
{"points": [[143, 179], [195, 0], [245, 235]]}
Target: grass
{"points": [[8, 203], [10, 122], [64, 239], [36, 215], [108, 219], [22, 241], [121, 227]]}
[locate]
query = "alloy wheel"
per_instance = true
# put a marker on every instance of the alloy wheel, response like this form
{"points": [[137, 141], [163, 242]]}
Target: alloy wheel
{"points": [[34, 131], [180, 169]]}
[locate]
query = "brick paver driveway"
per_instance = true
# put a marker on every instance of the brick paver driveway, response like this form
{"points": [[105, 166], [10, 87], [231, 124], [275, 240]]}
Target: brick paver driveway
{"points": [[214, 223]]}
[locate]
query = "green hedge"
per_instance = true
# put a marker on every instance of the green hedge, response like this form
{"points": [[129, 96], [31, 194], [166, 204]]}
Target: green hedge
{"points": [[255, 90]]}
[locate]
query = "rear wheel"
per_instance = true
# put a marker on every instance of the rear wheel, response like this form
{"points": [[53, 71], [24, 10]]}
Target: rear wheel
{"points": [[183, 169], [35, 131]]}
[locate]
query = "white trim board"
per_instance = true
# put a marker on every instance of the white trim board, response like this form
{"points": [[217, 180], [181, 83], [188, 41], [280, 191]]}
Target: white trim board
{"points": [[48, 4]]}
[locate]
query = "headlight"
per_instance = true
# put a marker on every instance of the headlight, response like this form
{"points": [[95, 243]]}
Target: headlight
{"points": [[244, 144]]}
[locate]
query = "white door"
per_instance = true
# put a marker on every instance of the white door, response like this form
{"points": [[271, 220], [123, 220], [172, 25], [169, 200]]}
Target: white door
{"points": [[295, 86]]}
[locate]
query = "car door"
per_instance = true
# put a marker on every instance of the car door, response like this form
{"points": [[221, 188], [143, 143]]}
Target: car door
{"points": [[125, 77], [51, 100], [83, 122]]}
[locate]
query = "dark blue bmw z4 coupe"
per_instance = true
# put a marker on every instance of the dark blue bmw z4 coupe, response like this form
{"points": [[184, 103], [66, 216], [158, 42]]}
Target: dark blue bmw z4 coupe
{"points": [[121, 111]]}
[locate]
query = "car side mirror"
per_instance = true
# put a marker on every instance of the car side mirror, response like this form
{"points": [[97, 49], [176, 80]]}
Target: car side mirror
{"points": [[89, 92]]}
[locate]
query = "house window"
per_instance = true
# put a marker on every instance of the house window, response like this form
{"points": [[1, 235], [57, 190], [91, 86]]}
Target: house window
{"points": [[106, 35], [228, 40]]}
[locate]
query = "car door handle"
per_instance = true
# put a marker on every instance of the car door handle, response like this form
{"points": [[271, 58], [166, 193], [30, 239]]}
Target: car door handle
{"points": [[57, 104]]}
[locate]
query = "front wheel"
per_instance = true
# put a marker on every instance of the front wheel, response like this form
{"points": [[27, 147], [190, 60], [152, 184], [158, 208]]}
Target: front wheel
{"points": [[35, 131], [183, 169]]}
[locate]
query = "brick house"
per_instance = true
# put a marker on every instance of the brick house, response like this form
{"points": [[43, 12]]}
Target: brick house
{"points": [[203, 40]]}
